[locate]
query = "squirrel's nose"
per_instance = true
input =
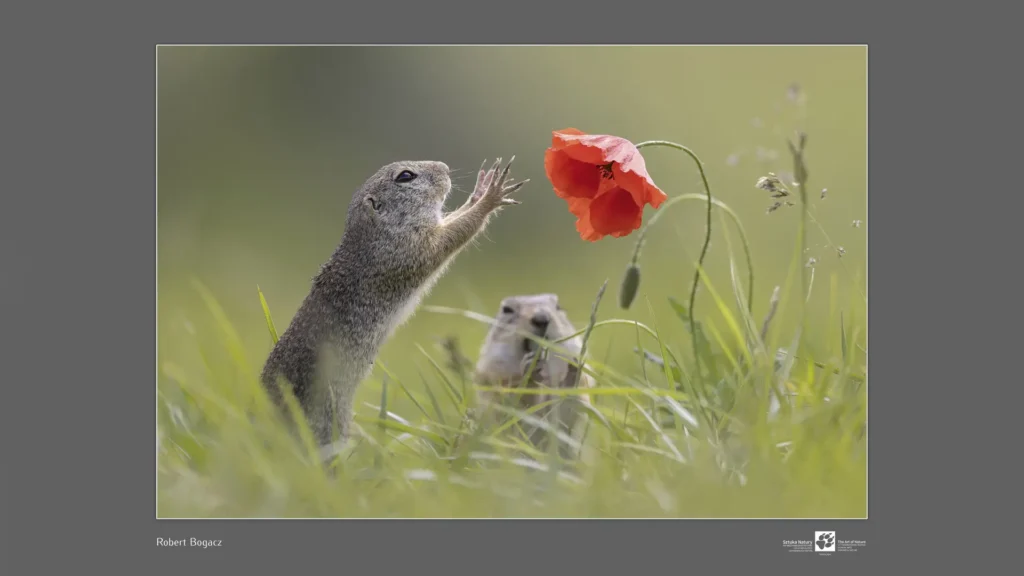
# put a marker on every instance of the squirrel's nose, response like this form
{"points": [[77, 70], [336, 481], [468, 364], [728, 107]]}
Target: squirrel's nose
{"points": [[540, 320], [443, 167]]}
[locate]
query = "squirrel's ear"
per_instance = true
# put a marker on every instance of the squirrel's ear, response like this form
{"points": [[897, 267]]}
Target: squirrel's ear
{"points": [[553, 298], [372, 205]]}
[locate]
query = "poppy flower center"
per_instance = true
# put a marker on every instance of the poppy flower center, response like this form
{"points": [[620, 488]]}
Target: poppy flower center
{"points": [[606, 171]]}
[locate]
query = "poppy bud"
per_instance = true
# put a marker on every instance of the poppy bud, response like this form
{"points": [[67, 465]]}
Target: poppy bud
{"points": [[630, 283]]}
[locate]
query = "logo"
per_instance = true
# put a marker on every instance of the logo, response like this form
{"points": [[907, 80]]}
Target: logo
{"points": [[825, 541]]}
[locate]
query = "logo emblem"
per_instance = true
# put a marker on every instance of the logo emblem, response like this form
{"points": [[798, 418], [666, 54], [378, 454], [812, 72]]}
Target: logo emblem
{"points": [[825, 541]]}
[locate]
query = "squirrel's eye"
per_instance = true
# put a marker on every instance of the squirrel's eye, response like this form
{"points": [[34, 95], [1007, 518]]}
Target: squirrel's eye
{"points": [[405, 176], [507, 310]]}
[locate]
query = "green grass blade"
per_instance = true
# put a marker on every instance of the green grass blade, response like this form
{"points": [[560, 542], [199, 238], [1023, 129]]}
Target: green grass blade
{"points": [[623, 392], [400, 427], [433, 399], [590, 329], [266, 314], [649, 450], [744, 302], [413, 398], [383, 414], [529, 412], [232, 340], [657, 429], [727, 314], [842, 334], [703, 345], [457, 398], [666, 370], [529, 418], [720, 340]]}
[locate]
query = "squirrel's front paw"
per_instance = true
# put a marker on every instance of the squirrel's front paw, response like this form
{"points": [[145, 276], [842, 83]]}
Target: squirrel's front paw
{"points": [[493, 188]]}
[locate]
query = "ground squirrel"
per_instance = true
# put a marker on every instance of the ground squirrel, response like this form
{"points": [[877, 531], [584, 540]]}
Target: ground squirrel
{"points": [[507, 356], [396, 244]]}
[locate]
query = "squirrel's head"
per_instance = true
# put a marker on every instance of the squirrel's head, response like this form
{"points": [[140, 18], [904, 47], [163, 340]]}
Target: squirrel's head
{"points": [[403, 194], [506, 346]]}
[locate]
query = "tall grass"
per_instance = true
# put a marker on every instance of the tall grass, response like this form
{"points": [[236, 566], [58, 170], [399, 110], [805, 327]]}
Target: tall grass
{"points": [[768, 428]]}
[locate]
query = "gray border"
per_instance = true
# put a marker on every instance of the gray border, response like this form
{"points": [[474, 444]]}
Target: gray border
{"points": [[79, 479]]}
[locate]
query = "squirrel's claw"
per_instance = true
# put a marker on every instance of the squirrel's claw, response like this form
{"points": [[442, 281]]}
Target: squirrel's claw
{"points": [[504, 173], [514, 187]]}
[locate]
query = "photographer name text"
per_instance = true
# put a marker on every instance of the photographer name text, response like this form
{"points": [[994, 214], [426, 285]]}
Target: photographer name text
{"points": [[187, 543]]}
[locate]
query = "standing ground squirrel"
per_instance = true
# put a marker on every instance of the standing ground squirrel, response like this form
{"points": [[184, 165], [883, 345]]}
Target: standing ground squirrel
{"points": [[396, 244], [506, 359]]}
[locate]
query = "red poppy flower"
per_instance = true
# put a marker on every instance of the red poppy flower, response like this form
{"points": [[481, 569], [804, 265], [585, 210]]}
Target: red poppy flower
{"points": [[603, 179]]}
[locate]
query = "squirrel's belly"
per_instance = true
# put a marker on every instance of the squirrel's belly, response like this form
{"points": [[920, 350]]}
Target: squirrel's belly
{"points": [[408, 308], [406, 311]]}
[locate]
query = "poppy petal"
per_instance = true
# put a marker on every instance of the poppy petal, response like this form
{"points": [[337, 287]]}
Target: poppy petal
{"points": [[615, 213], [571, 178], [584, 153], [639, 184], [580, 207], [655, 197], [586, 230], [559, 135], [596, 149]]}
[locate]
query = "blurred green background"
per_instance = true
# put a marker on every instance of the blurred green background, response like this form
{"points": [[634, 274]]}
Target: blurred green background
{"points": [[261, 148]]}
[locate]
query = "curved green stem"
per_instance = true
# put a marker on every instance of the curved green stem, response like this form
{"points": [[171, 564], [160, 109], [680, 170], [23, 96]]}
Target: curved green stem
{"points": [[736, 220], [707, 238]]}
